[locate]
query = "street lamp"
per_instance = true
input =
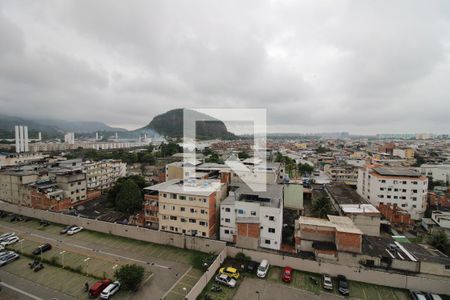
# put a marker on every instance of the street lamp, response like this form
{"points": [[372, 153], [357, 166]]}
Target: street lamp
{"points": [[62, 260], [86, 260]]}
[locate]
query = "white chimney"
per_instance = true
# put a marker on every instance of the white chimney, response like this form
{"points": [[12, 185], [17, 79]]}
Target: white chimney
{"points": [[17, 139], [26, 138]]}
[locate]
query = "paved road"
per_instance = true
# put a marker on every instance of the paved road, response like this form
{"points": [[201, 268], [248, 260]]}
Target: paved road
{"points": [[17, 288], [269, 290], [166, 272]]}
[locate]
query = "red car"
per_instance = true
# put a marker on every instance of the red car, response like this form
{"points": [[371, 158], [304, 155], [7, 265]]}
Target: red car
{"points": [[98, 287], [286, 275]]}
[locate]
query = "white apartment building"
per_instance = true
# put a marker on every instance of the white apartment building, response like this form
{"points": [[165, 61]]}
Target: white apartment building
{"points": [[103, 174], [188, 207], [437, 172], [404, 187], [253, 219]]}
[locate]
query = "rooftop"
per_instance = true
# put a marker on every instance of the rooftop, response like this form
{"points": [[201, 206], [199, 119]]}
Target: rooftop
{"points": [[402, 172], [195, 187], [343, 194], [359, 209], [271, 197]]}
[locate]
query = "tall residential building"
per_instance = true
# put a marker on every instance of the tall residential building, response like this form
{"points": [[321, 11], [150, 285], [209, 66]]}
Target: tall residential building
{"points": [[403, 187], [103, 174], [253, 219], [21, 138], [73, 182], [189, 207], [69, 138]]}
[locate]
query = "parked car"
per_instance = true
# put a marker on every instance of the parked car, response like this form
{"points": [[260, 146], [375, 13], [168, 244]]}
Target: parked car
{"points": [[110, 290], [251, 267], [42, 248], [415, 295], [432, 296], [98, 287], [343, 285], [286, 275], [9, 241], [226, 280], [67, 228], [230, 271], [7, 235], [9, 257], [74, 230], [263, 268], [327, 283]]}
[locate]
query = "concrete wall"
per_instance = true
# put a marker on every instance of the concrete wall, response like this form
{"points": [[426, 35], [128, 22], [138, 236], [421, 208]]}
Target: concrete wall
{"points": [[206, 277], [428, 283], [132, 232]]}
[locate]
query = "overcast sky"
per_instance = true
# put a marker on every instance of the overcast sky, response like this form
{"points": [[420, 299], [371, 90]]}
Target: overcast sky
{"points": [[358, 66]]}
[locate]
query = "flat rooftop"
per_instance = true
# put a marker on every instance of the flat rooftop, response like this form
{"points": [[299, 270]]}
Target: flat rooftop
{"points": [[403, 172], [359, 209], [272, 197], [341, 224], [384, 246], [343, 194], [195, 187]]}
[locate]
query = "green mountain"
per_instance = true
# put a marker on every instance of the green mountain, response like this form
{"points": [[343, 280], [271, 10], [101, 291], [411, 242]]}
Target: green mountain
{"points": [[170, 124]]}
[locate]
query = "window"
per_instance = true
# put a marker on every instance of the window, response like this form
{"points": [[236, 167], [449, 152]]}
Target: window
{"points": [[165, 195], [267, 242], [414, 206], [380, 196], [173, 207], [226, 231], [253, 213], [382, 189], [404, 205], [171, 228], [271, 218], [227, 220], [414, 182], [182, 197], [203, 223], [192, 210], [192, 221], [241, 211], [395, 190], [404, 182], [183, 220], [414, 191], [203, 211], [227, 209], [395, 197], [173, 218], [203, 233], [173, 196], [182, 208], [383, 181], [272, 230], [389, 189], [388, 196], [404, 190]]}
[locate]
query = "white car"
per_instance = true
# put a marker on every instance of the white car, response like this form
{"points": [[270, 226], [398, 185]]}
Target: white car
{"points": [[8, 257], [110, 290], [226, 280], [9, 241], [327, 283], [74, 230], [263, 268], [7, 235]]}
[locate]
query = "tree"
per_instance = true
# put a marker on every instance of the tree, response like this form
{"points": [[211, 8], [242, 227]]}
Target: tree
{"points": [[170, 149], [419, 160], [438, 239], [129, 198], [305, 168], [243, 155], [130, 276], [321, 207]]}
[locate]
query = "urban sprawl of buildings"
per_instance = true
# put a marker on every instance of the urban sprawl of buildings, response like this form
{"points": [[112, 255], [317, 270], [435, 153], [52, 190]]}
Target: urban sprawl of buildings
{"points": [[381, 192]]}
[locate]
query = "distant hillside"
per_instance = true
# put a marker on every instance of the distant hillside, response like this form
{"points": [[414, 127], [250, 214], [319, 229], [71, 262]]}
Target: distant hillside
{"points": [[170, 124], [50, 128]]}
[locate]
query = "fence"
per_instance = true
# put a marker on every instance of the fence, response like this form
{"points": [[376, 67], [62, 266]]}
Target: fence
{"points": [[422, 282], [206, 277], [132, 232]]}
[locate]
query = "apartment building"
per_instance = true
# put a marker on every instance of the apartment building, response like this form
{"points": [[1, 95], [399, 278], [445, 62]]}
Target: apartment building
{"points": [[73, 182], [342, 173], [436, 172], [188, 207], [14, 186], [103, 174], [404, 187], [325, 238], [253, 219], [407, 153], [14, 159]]}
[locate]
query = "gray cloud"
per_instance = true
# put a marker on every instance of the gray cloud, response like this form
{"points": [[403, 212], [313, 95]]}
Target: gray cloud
{"points": [[359, 66]]}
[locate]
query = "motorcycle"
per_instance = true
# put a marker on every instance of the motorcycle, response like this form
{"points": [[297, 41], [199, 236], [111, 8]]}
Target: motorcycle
{"points": [[38, 267], [33, 264]]}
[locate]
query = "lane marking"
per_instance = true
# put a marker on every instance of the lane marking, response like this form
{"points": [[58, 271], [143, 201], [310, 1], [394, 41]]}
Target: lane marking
{"points": [[87, 248], [173, 286], [20, 291]]}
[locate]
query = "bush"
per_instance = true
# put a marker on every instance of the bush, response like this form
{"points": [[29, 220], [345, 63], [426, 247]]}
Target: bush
{"points": [[242, 257], [130, 276]]}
